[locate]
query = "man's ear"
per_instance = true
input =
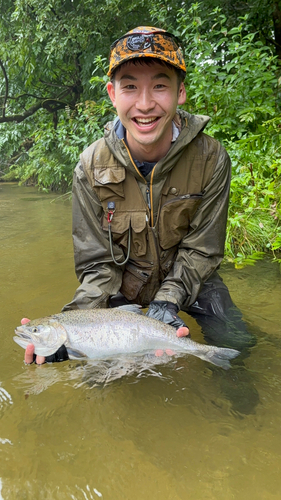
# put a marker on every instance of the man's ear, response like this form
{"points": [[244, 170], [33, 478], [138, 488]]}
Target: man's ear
{"points": [[182, 94], [111, 92]]}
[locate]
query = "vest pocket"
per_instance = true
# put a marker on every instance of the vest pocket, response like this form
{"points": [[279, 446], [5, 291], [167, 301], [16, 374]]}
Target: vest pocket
{"points": [[134, 280], [121, 223], [175, 217]]}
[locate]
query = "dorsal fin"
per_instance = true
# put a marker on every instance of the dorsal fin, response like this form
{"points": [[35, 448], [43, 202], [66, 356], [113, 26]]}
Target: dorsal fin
{"points": [[134, 308]]}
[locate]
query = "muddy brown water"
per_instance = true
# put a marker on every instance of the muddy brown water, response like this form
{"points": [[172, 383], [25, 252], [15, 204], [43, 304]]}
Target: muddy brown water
{"points": [[181, 432]]}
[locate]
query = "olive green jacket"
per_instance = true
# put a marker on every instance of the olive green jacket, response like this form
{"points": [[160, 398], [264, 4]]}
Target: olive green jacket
{"points": [[176, 244]]}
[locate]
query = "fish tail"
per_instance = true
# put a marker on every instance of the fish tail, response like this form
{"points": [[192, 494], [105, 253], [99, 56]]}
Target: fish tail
{"points": [[221, 356]]}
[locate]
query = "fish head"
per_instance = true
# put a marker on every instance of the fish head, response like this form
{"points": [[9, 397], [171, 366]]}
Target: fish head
{"points": [[46, 334]]}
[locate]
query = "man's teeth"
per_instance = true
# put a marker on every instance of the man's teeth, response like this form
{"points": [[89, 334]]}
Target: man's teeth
{"points": [[145, 121]]}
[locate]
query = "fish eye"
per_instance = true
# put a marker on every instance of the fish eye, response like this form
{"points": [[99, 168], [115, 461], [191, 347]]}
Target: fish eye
{"points": [[34, 330]]}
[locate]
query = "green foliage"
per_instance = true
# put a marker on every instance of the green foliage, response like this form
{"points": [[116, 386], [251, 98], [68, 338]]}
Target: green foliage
{"points": [[231, 75], [50, 162], [255, 201], [235, 79]]}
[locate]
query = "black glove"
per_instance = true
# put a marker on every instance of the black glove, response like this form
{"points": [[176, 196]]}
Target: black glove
{"points": [[166, 312], [60, 355]]}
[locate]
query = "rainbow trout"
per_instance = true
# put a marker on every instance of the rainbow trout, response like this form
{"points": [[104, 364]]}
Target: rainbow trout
{"points": [[106, 333]]}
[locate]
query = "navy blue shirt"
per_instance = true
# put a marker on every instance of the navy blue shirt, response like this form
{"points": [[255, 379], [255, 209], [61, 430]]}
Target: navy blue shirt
{"points": [[145, 167]]}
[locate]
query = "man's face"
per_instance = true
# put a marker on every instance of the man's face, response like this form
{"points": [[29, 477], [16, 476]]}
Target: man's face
{"points": [[146, 98]]}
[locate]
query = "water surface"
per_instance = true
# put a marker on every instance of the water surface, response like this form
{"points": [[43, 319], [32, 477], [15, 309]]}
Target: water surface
{"points": [[185, 431]]}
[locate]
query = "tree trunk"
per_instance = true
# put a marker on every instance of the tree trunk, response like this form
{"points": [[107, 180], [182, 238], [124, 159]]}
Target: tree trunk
{"points": [[277, 26]]}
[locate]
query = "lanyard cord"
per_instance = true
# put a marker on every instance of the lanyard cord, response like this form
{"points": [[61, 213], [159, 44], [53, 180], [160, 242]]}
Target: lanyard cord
{"points": [[109, 219]]}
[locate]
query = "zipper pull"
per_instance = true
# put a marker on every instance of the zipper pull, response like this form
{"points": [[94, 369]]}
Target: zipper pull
{"points": [[148, 196]]}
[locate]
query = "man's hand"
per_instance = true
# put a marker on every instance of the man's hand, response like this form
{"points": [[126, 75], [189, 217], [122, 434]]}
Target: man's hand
{"points": [[183, 331], [29, 356], [166, 312], [29, 352]]}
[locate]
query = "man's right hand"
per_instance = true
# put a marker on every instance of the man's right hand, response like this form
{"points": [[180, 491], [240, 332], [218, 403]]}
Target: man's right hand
{"points": [[29, 356], [29, 352]]}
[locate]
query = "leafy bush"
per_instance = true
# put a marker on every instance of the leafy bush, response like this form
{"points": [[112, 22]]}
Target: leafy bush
{"points": [[50, 162], [233, 77]]}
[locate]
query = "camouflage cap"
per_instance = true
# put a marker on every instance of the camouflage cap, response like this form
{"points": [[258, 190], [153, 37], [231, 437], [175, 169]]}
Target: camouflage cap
{"points": [[146, 41]]}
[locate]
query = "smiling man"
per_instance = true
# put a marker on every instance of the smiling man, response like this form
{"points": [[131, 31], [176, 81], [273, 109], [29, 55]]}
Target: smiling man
{"points": [[150, 199], [146, 99]]}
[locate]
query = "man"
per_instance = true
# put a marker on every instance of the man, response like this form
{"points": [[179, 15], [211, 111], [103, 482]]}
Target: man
{"points": [[150, 199]]}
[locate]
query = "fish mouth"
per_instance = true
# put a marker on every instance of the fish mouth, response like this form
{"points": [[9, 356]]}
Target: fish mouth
{"points": [[46, 342], [22, 333]]}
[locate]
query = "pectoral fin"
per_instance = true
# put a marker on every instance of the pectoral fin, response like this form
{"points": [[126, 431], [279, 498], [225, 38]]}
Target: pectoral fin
{"points": [[134, 308], [75, 354]]}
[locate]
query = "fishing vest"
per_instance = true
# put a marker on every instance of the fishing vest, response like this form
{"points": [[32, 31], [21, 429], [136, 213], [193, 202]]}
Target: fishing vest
{"points": [[154, 243]]}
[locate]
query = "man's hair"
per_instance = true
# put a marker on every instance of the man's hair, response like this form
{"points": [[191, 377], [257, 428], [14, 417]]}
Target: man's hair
{"points": [[149, 61]]}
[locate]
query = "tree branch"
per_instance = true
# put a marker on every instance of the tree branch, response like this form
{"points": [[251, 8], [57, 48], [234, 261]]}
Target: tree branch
{"points": [[14, 98], [51, 105], [54, 84]]}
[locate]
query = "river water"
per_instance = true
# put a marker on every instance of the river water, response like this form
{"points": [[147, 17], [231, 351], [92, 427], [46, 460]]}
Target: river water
{"points": [[183, 431]]}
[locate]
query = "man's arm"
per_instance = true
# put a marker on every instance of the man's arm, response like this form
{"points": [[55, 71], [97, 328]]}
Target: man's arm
{"points": [[97, 273], [201, 250]]}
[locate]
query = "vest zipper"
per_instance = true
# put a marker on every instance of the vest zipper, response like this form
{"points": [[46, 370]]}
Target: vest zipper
{"points": [[148, 195], [151, 197], [183, 197], [148, 184]]}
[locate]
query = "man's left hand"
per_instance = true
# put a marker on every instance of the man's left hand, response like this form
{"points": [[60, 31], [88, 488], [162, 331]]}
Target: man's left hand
{"points": [[167, 312]]}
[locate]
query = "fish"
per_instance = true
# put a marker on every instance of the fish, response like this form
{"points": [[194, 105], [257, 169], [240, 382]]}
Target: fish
{"points": [[106, 333]]}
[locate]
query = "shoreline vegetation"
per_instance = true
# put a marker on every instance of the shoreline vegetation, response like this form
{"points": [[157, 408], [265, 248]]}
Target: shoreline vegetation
{"points": [[233, 75]]}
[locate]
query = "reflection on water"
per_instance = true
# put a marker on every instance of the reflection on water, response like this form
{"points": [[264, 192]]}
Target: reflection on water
{"points": [[173, 433]]}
